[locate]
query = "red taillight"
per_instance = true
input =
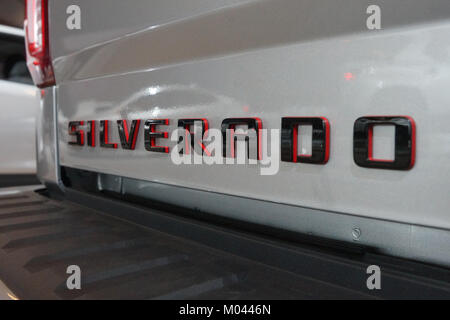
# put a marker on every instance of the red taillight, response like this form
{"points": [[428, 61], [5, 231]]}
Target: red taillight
{"points": [[37, 44]]}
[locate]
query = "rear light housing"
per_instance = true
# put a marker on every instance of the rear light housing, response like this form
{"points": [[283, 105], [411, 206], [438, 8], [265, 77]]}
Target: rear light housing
{"points": [[37, 43]]}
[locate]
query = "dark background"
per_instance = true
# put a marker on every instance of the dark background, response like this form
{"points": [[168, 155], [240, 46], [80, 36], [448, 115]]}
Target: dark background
{"points": [[12, 12]]}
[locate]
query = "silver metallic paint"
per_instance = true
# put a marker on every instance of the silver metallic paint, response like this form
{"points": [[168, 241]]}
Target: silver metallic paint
{"points": [[391, 238], [46, 139], [271, 59]]}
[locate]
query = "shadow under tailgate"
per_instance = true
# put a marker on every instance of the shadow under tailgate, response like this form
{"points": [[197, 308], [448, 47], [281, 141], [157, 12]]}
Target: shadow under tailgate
{"points": [[40, 237]]}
